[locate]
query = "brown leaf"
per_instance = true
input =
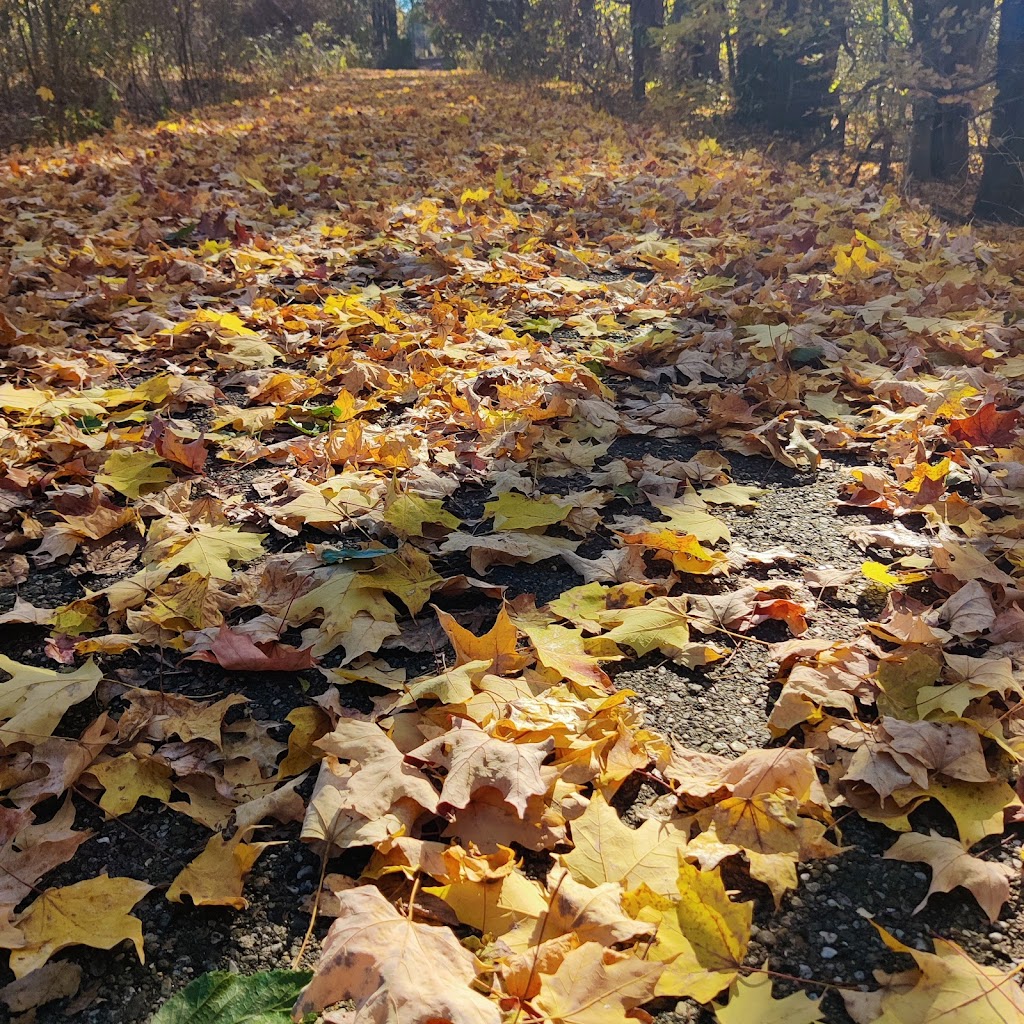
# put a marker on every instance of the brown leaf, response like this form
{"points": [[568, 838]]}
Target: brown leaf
{"points": [[475, 760], [395, 970]]}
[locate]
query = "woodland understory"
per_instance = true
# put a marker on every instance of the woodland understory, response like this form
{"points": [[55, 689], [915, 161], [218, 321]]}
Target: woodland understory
{"points": [[508, 563]]}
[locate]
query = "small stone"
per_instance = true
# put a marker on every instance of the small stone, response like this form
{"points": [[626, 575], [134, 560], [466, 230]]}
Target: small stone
{"points": [[738, 746], [829, 937], [996, 936], [805, 971], [829, 952]]}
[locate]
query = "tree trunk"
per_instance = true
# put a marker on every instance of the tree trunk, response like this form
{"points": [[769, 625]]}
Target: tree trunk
{"points": [[384, 15], [949, 48], [787, 56], [1001, 196], [696, 55], [643, 16]]}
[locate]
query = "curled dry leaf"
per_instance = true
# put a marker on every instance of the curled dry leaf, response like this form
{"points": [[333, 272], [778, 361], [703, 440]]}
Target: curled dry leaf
{"points": [[395, 970]]}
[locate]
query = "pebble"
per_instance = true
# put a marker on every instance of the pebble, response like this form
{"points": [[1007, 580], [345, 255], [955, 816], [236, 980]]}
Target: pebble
{"points": [[996, 936], [829, 937], [805, 971], [829, 952]]}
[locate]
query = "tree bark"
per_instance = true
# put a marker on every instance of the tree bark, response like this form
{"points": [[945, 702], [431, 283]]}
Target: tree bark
{"points": [[384, 15], [643, 16], [1001, 195], [697, 52], [786, 60], [948, 47]]}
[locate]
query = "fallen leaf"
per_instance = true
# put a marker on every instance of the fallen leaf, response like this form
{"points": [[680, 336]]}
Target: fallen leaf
{"points": [[216, 877], [953, 866], [395, 970], [90, 913], [595, 985]]}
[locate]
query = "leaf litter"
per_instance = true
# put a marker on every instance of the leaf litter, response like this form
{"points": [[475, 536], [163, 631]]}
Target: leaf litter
{"points": [[360, 443]]}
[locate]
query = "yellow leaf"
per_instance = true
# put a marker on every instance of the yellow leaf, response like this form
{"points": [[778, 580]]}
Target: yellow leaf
{"points": [[35, 699], [683, 550], [207, 548], [132, 473], [407, 513], [514, 511], [878, 573], [215, 878], [751, 1000], [45, 94], [127, 778], [607, 850], [308, 725], [90, 913], [497, 645], [703, 937]]}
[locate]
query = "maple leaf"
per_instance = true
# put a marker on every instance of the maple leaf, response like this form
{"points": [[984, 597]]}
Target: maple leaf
{"points": [[383, 774], [947, 985], [407, 513], [353, 614], [702, 935], [58, 979], [309, 724], [514, 511], [767, 829], [215, 878], [34, 700], [661, 625], [952, 866], [683, 550], [751, 999], [497, 647], [987, 426], [494, 901], [168, 445], [595, 985], [207, 548], [508, 548], [593, 913], [607, 850], [395, 970], [128, 778], [688, 514], [30, 850], [237, 653], [131, 473], [560, 649], [474, 760], [90, 913]]}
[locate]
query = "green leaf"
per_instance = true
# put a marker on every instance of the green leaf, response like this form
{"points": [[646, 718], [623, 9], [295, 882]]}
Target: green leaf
{"points": [[224, 998]]}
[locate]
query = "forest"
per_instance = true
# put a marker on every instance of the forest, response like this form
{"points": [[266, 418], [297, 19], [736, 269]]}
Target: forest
{"points": [[511, 513], [925, 91]]}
